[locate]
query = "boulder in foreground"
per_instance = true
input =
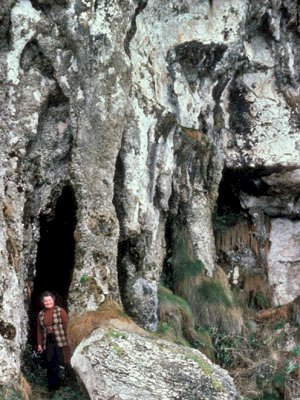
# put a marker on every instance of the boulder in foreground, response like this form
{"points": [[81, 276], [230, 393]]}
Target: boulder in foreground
{"points": [[120, 365]]}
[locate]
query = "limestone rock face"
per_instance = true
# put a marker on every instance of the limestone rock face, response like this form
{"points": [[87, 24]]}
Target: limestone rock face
{"points": [[141, 117], [129, 366], [284, 260]]}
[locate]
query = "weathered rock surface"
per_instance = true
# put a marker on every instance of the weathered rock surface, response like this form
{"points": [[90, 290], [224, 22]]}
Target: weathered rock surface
{"points": [[284, 260], [138, 109], [127, 366]]}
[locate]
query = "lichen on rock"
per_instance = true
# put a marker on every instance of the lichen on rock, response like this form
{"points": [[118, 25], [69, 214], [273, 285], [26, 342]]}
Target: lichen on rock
{"points": [[132, 366]]}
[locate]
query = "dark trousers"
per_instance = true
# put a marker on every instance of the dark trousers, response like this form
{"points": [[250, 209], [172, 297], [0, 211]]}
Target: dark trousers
{"points": [[54, 360]]}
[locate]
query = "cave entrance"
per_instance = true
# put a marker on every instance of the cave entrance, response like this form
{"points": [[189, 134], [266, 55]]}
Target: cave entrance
{"points": [[56, 250], [242, 234], [228, 211]]}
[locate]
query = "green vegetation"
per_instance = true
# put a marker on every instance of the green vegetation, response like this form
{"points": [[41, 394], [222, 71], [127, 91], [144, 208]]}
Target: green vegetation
{"points": [[212, 292], [205, 367], [209, 298], [290, 366], [185, 268], [252, 350], [169, 332], [113, 333], [184, 263], [165, 294], [203, 342], [118, 350], [164, 328], [173, 312], [225, 347], [177, 322], [253, 341], [261, 301], [279, 325], [279, 379], [217, 385], [84, 278], [296, 351]]}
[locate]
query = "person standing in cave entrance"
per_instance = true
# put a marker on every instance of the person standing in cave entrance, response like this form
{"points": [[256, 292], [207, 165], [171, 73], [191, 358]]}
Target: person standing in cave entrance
{"points": [[52, 340]]}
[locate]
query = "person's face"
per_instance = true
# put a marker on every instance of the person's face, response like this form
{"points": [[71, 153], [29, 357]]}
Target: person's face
{"points": [[48, 302]]}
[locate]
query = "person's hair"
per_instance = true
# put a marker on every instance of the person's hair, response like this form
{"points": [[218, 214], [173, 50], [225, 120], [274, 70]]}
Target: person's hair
{"points": [[46, 294]]}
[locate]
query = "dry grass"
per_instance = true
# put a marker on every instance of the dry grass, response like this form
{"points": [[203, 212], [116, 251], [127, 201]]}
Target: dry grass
{"points": [[192, 133], [270, 355], [256, 292], [171, 321], [275, 314], [241, 234], [245, 380], [25, 388], [109, 315], [176, 312], [255, 283]]}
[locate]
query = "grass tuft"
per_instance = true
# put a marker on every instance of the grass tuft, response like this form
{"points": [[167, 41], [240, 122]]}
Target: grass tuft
{"points": [[213, 292], [177, 323], [165, 294], [212, 301], [184, 263], [110, 315]]}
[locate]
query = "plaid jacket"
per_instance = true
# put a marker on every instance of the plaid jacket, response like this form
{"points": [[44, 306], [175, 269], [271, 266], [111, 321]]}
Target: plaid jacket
{"points": [[58, 329]]}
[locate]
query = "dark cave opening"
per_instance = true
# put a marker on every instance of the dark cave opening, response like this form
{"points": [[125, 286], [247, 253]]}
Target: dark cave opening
{"points": [[241, 239], [228, 198], [119, 207], [228, 209], [122, 275], [56, 252], [231, 223], [167, 277]]}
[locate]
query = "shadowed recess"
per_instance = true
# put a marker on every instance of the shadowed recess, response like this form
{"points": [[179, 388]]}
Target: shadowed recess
{"points": [[56, 250]]}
